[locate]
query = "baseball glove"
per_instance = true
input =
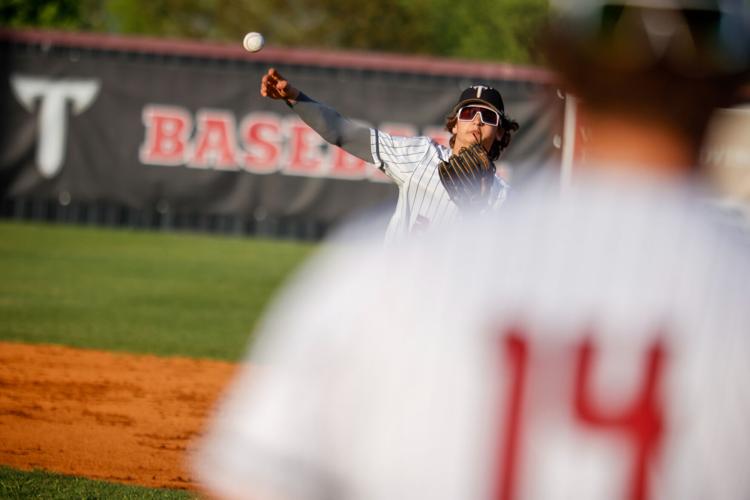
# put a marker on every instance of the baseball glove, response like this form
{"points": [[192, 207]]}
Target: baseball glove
{"points": [[468, 177]]}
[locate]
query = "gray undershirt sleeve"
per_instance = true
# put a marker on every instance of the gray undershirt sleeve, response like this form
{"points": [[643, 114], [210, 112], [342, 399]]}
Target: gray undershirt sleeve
{"points": [[334, 128]]}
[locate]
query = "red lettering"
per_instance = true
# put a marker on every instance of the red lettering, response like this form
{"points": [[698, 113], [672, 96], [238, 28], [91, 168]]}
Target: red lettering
{"points": [[167, 132], [516, 353], [305, 157], [261, 135], [643, 422], [215, 141]]}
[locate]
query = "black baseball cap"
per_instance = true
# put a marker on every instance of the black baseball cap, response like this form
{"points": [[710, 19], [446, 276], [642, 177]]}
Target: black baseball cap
{"points": [[481, 94]]}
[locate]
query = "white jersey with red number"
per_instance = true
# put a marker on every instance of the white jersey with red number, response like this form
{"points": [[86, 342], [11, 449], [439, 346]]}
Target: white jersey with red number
{"points": [[594, 347], [423, 202]]}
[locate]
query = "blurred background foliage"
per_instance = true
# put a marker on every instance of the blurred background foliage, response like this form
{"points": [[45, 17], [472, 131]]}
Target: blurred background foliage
{"points": [[492, 30]]}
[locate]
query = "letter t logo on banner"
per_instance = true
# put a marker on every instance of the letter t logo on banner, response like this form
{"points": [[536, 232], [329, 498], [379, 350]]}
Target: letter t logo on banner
{"points": [[53, 124]]}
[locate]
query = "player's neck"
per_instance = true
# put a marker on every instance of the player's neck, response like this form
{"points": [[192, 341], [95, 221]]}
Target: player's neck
{"points": [[643, 148]]}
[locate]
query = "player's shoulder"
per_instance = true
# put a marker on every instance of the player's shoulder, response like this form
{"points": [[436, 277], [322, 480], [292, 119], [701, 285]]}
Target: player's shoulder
{"points": [[408, 145], [401, 139], [440, 151]]}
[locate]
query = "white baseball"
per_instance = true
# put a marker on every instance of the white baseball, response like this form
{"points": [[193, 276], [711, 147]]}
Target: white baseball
{"points": [[253, 42]]}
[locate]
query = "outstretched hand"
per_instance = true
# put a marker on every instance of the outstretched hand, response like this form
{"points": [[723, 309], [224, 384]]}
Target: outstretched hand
{"points": [[275, 86]]}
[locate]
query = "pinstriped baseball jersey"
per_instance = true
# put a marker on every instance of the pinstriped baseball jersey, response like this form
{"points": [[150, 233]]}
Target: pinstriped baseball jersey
{"points": [[423, 202], [606, 357]]}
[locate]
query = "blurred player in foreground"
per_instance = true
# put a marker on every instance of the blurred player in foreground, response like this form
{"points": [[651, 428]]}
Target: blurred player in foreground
{"points": [[426, 198], [608, 357]]}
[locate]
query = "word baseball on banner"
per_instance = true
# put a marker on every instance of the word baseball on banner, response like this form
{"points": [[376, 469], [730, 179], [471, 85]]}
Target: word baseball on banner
{"points": [[261, 143]]}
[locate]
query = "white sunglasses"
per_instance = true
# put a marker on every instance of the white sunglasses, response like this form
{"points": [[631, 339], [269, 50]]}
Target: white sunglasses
{"points": [[487, 115]]}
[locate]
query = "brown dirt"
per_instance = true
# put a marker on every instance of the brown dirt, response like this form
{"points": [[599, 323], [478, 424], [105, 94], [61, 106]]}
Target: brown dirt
{"points": [[103, 415]]}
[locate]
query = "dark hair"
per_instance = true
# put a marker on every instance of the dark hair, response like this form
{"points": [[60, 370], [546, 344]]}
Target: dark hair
{"points": [[612, 71], [507, 125]]}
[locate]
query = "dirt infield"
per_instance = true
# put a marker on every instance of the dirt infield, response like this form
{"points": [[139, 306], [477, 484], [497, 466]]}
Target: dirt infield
{"points": [[103, 415]]}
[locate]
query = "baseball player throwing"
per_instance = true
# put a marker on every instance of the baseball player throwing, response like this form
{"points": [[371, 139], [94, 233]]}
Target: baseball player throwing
{"points": [[428, 194], [608, 357]]}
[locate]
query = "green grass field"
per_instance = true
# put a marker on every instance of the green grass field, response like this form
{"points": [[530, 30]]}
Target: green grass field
{"points": [[17, 485], [160, 293], [142, 292]]}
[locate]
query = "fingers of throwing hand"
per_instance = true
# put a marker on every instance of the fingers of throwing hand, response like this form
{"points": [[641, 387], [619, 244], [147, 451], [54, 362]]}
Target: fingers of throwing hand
{"points": [[273, 85]]}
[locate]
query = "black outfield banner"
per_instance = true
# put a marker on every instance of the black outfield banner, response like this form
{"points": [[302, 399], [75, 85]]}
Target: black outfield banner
{"points": [[181, 126]]}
